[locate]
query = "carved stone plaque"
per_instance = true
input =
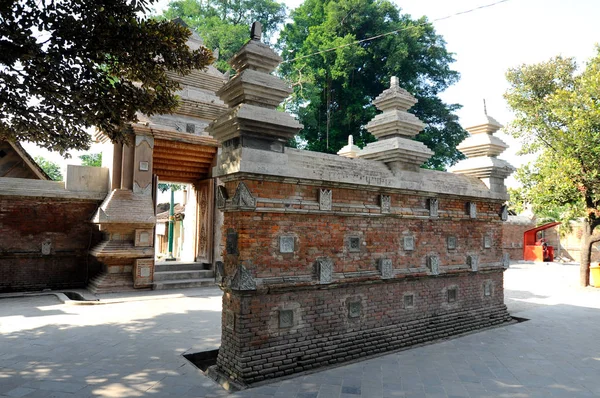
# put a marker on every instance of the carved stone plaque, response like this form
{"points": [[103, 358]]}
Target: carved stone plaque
{"points": [[354, 309], [433, 207], [354, 244], [286, 244], [409, 243], [473, 262], [243, 197], [46, 247], [409, 300], [452, 294], [385, 201], [451, 242], [487, 242], [325, 270], [433, 263], [143, 272], [472, 209], [231, 243], [325, 199], [504, 213], [385, 267], [286, 319], [506, 260], [243, 280], [144, 237], [487, 288], [144, 166]]}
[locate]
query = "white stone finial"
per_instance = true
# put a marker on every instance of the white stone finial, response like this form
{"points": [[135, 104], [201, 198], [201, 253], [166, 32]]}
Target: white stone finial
{"points": [[350, 140], [256, 31], [350, 150], [395, 82], [484, 107]]}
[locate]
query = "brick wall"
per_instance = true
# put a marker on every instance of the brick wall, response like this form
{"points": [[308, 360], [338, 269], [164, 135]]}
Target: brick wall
{"points": [[512, 236], [324, 330], [31, 227], [355, 235]]}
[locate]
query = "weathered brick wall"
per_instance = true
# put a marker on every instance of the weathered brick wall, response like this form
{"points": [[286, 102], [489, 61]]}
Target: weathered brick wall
{"points": [[62, 225], [324, 330], [256, 346], [512, 236]]}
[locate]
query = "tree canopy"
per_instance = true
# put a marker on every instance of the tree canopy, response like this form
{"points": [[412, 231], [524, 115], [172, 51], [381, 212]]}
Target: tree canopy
{"points": [[557, 115], [66, 66], [224, 24], [333, 90], [93, 160], [51, 168]]}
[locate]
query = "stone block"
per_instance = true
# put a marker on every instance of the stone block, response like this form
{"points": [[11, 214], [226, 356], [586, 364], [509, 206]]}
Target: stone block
{"points": [[325, 199], [451, 241], [487, 242], [325, 270], [473, 262], [433, 263], [409, 243], [286, 319], [354, 309], [354, 244], [386, 268], [433, 207], [385, 201], [286, 244]]}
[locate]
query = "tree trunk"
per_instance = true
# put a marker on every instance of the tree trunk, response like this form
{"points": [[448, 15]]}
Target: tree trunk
{"points": [[586, 252]]}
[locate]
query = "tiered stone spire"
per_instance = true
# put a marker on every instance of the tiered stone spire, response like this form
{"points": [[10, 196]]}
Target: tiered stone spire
{"points": [[252, 96], [350, 150], [482, 149], [395, 129]]}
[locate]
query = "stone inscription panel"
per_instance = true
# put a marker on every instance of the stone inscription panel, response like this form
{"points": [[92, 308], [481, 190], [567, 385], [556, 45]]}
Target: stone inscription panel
{"points": [[409, 243]]}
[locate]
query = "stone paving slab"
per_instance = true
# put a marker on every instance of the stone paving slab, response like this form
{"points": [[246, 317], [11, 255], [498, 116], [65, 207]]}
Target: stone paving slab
{"points": [[133, 348]]}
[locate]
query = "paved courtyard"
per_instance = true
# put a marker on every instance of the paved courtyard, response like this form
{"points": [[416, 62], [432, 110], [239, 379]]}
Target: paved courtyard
{"points": [[132, 348]]}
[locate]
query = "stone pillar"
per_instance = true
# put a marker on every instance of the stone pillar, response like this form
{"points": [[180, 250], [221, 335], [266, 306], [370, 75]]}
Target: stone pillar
{"points": [[395, 129], [482, 149]]}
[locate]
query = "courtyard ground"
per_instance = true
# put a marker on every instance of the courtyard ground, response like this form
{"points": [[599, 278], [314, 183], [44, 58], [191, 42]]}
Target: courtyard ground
{"points": [[133, 348]]}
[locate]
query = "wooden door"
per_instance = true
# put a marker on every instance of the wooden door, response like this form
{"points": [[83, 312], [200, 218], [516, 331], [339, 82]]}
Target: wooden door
{"points": [[205, 214]]}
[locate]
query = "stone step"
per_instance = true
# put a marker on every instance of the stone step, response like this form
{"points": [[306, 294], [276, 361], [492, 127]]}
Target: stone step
{"points": [[162, 267], [178, 275], [184, 284]]}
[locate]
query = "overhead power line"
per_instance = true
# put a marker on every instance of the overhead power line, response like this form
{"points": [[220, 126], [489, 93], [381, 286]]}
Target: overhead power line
{"points": [[398, 30]]}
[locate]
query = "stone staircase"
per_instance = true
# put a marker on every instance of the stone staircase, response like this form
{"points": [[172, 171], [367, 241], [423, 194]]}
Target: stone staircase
{"points": [[181, 276]]}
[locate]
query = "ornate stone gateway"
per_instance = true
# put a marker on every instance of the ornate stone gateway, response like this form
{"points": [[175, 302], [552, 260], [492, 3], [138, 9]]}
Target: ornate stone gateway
{"points": [[331, 258]]}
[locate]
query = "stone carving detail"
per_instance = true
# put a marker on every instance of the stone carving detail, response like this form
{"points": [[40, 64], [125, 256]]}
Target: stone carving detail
{"points": [[354, 244], [143, 272], [504, 213], [472, 209], [325, 199], [231, 243], [487, 288], [286, 244], [433, 263], [433, 207], [354, 308], [472, 261], [286, 319], [506, 260], [409, 300], [386, 268], [229, 320], [325, 270], [204, 219], [409, 243], [451, 242], [452, 294], [243, 197], [243, 280], [487, 242], [385, 201], [144, 237], [219, 272], [221, 197], [46, 247]]}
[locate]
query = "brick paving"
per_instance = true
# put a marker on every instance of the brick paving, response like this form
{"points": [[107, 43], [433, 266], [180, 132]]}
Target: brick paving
{"points": [[133, 347]]}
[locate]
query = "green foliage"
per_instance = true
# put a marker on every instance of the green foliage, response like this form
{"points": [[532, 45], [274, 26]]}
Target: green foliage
{"points": [[225, 24], [164, 187], [334, 90], [557, 115], [69, 65], [93, 159], [50, 168]]}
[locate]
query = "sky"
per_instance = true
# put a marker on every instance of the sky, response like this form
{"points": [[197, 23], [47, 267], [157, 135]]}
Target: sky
{"points": [[486, 43]]}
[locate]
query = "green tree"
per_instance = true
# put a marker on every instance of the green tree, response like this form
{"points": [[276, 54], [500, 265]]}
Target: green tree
{"points": [[93, 159], [557, 115], [334, 90], [50, 168], [224, 24], [69, 65]]}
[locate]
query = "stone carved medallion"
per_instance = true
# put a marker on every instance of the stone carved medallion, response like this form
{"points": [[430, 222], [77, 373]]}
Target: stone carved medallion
{"points": [[385, 201], [473, 263], [386, 268], [221, 197], [325, 199], [286, 244], [433, 263], [504, 213], [409, 243], [325, 270], [243, 197], [433, 207], [354, 244], [472, 209], [354, 309], [243, 280], [506, 260], [286, 319], [451, 242], [46, 247], [487, 242]]}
